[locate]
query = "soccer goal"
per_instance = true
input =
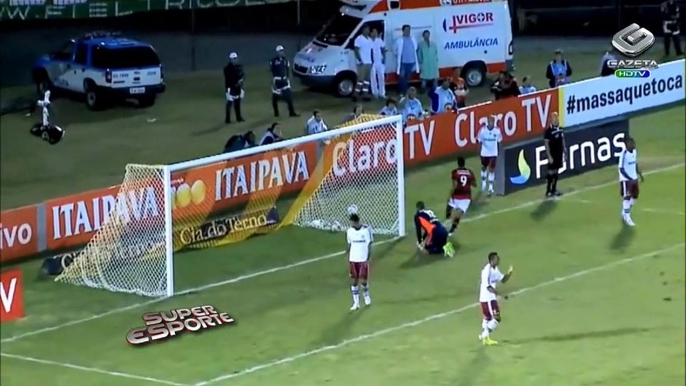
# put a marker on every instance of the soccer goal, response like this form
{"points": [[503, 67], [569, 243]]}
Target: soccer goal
{"points": [[312, 181]]}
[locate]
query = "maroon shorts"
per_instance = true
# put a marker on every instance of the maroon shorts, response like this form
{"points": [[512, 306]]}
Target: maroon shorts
{"points": [[490, 310], [628, 189], [488, 162], [359, 270]]}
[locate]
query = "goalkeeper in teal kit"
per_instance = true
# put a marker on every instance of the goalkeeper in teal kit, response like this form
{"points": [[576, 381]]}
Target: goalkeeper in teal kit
{"points": [[432, 237]]}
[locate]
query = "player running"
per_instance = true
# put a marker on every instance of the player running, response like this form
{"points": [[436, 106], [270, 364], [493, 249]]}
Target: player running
{"points": [[460, 194], [490, 277], [490, 138], [629, 174], [432, 237], [359, 250]]}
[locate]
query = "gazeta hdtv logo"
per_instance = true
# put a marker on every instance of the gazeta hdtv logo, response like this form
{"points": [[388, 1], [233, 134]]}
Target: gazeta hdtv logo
{"points": [[524, 170], [623, 73]]}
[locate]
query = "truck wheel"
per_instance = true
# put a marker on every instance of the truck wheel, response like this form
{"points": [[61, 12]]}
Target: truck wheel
{"points": [[345, 85], [146, 101], [93, 96], [474, 74]]}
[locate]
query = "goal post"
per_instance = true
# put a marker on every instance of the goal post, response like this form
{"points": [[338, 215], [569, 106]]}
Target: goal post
{"points": [[312, 182]]}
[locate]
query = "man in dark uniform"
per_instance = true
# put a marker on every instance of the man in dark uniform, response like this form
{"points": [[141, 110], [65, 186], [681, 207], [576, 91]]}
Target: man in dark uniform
{"points": [[233, 85], [556, 150], [670, 26], [432, 237], [281, 85]]}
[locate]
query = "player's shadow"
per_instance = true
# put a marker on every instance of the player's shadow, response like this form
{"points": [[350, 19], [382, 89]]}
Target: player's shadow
{"points": [[336, 333], [477, 366], [419, 260], [544, 209], [623, 238], [582, 335], [381, 252], [478, 203]]}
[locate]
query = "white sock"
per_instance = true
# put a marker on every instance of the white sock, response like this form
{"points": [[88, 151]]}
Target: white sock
{"points": [[632, 202], [491, 179], [484, 176], [491, 325], [356, 294], [365, 290], [626, 208]]}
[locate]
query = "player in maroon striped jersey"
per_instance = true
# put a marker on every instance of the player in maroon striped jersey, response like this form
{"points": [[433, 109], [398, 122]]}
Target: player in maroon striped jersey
{"points": [[463, 181]]}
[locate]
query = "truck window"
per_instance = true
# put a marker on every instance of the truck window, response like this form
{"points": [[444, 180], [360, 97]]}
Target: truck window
{"points": [[81, 55], [338, 29], [64, 52], [125, 57]]}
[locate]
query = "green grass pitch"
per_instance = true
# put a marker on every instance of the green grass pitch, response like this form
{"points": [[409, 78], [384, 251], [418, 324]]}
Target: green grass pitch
{"points": [[592, 302]]}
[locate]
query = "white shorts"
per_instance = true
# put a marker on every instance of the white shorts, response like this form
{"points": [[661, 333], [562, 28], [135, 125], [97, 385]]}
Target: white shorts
{"points": [[461, 205]]}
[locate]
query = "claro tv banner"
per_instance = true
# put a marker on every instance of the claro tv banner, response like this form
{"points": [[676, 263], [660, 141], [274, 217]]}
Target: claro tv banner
{"points": [[70, 222], [12, 295]]}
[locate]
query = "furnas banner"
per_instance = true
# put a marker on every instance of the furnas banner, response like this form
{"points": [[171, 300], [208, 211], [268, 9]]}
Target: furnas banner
{"points": [[225, 230], [589, 147]]}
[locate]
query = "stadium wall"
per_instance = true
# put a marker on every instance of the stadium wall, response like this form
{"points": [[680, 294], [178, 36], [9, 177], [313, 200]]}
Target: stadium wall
{"points": [[69, 222]]}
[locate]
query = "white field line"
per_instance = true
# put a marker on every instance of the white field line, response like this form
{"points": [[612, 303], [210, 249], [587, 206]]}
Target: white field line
{"points": [[442, 315], [301, 263], [91, 369], [638, 207]]}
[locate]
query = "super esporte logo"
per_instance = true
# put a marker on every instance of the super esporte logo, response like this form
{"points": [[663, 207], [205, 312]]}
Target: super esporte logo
{"points": [[524, 170]]}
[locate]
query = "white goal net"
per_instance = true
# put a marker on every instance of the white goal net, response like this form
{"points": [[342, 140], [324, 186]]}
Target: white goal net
{"points": [[313, 181]]}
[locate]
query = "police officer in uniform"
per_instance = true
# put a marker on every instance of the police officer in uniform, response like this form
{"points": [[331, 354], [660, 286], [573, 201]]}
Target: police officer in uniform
{"points": [[556, 151], [558, 71], [233, 85], [281, 85], [670, 26]]}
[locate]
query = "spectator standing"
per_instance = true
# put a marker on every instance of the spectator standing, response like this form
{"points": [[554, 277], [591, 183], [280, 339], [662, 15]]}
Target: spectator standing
{"points": [[406, 56], [378, 65], [558, 71], [272, 135], [390, 109], [315, 124], [363, 54], [442, 98], [427, 57], [460, 89], [281, 85], [605, 70], [527, 86], [412, 106], [670, 26], [233, 84]]}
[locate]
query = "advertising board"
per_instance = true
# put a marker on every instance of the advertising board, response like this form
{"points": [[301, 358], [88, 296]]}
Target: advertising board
{"points": [[589, 147]]}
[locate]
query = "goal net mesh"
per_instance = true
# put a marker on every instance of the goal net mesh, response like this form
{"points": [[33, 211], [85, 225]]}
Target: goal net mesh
{"points": [[314, 184]]}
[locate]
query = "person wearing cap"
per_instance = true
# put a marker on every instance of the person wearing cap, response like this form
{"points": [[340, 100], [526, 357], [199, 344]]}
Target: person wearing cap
{"points": [[558, 71], [281, 84], [233, 84]]}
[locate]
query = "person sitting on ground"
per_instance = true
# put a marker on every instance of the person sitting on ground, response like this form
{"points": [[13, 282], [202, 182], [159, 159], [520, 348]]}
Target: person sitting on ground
{"points": [[272, 135], [390, 109], [239, 142]]}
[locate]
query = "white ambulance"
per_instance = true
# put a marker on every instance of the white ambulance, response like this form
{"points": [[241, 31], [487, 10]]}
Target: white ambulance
{"points": [[474, 35]]}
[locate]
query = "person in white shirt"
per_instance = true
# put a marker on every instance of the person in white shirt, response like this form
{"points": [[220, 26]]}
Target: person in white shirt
{"points": [[359, 249], [488, 297], [378, 65], [390, 109], [363, 54], [315, 124], [490, 138], [527, 86], [629, 175]]}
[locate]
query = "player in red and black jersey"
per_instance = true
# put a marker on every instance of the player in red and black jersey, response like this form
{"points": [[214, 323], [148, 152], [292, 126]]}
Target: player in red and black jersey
{"points": [[463, 181]]}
